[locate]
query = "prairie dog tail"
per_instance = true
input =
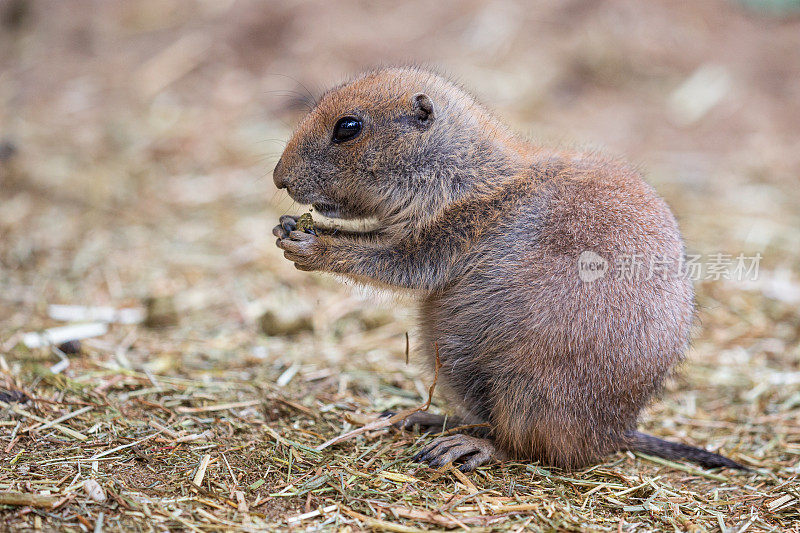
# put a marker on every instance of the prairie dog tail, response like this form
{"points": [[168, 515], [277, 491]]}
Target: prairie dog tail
{"points": [[649, 444]]}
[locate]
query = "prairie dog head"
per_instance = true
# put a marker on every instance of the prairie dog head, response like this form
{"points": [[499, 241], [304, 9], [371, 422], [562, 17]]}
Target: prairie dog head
{"points": [[388, 144]]}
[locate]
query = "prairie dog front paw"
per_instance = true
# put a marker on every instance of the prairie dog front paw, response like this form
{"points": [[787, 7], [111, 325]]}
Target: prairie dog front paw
{"points": [[306, 250], [286, 224]]}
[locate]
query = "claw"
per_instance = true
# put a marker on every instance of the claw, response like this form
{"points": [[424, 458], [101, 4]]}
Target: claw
{"points": [[288, 223], [471, 450], [439, 445]]}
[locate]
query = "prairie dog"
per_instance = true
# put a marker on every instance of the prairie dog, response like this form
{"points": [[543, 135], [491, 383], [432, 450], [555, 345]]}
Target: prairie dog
{"points": [[493, 233]]}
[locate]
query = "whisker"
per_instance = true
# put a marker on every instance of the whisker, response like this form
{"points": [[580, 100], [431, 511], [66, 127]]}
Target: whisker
{"points": [[296, 97], [298, 82]]}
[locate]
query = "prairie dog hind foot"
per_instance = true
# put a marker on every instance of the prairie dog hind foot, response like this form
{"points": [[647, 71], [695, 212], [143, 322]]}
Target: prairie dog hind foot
{"points": [[471, 452]]}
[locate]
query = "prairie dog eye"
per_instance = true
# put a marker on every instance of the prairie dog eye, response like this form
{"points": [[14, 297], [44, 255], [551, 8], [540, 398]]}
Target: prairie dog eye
{"points": [[346, 128]]}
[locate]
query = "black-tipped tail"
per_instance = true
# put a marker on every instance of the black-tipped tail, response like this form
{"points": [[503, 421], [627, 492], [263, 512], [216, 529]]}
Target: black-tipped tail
{"points": [[644, 443]]}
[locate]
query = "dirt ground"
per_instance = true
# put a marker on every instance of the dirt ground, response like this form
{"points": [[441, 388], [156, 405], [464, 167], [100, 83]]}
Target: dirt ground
{"points": [[136, 146]]}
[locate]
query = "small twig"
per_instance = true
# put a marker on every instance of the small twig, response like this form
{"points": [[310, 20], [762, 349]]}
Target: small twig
{"points": [[460, 429], [118, 448], [311, 514], [201, 470], [32, 500], [456, 503], [218, 407], [58, 420], [170, 432]]}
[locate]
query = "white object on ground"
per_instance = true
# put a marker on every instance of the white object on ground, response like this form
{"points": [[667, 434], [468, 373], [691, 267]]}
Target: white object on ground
{"points": [[287, 375], [74, 332], [94, 490], [81, 313]]}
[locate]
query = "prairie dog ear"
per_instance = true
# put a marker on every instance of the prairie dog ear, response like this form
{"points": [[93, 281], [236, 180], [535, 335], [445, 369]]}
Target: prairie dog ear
{"points": [[423, 109]]}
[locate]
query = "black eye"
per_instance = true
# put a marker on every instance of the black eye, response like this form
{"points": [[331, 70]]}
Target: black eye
{"points": [[346, 128]]}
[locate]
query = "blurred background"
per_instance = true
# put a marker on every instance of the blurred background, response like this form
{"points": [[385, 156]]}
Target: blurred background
{"points": [[137, 140]]}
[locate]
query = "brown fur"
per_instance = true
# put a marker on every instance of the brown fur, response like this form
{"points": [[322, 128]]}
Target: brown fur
{"points": [[488, 228]]}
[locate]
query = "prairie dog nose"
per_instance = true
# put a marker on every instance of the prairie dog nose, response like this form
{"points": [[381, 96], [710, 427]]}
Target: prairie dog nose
{"points": [[279, 174]]}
